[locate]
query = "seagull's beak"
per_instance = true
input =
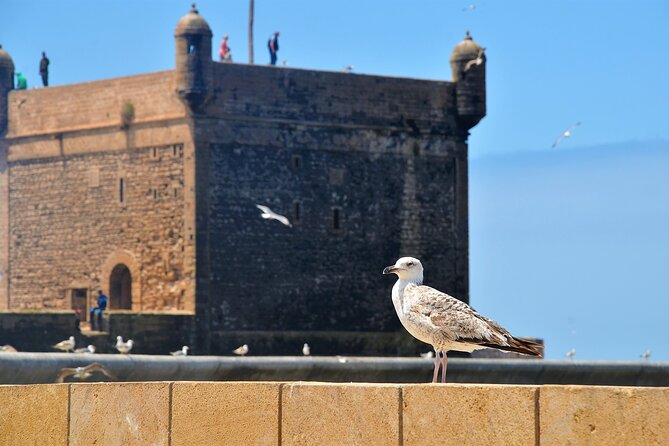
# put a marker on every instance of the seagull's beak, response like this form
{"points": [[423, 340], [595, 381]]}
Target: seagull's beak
{"points": [[391, 269]]}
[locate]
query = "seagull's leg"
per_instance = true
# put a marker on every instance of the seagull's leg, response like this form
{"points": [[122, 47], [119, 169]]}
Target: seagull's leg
{"points": [[436, 365], [444, 361]]}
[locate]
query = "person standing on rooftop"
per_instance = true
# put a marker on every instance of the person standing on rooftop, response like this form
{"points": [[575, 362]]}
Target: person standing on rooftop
{"points": [[44, 69], [225, 53], [273, 46]]}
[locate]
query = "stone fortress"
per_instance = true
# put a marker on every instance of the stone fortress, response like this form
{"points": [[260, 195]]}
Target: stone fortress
{"points": [[145, 187]]}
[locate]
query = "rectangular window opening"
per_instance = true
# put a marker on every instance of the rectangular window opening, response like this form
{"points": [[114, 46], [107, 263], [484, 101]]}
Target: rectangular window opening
{"points": [[336, 219], [297, 212], [121, 190]]}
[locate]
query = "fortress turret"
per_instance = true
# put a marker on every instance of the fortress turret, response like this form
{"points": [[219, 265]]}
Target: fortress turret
{"points": [[468, 65], [193, 59], [6, 85]]}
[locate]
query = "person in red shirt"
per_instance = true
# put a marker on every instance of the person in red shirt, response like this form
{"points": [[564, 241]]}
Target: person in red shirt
{"points": [[224, 53]]}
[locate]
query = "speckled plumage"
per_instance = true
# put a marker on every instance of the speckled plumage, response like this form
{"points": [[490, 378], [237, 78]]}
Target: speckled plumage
{"points": [[445, 322]]}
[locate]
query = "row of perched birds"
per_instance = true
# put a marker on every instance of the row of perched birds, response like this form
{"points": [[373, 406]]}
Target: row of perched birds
{"points": [[124, 348]]}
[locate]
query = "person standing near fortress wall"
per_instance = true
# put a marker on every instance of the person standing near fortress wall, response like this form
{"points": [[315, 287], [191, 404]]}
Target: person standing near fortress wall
{"points": [[44, 69], [225, 53], [273, 47]]}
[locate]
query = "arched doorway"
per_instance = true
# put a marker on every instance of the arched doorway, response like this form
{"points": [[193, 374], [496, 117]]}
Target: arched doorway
{"points": [[120, 288]]}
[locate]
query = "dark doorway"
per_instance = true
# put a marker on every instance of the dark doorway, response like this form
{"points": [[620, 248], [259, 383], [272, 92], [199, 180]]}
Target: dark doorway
{"points": [[120, 288], [79, 301]]}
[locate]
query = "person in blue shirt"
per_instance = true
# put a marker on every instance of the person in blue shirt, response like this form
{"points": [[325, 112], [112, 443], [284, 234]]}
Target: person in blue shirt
{"points": [[102, 306]]}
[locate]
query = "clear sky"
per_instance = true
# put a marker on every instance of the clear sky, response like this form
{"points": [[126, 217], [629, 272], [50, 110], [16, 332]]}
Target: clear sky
{"points": [[551, 63]]}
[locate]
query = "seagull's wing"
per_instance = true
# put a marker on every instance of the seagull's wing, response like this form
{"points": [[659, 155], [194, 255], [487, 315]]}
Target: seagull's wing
{"points": [[457, 321], [283, 220], [97, 367], [265, 209], [558, 140], [64, 373]]}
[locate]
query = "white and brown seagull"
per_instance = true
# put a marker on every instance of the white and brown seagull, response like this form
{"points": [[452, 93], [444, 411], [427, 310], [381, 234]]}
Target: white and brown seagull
{"points": [[445, 322], [83, 372]]}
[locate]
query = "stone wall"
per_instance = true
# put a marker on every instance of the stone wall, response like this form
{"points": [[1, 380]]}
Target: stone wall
{"points": [[70, 214], [30, 331], [386, 155], [271, 413]]}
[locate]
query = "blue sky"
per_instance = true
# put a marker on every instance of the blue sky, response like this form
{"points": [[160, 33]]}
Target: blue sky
{"points": [[550, 64]]}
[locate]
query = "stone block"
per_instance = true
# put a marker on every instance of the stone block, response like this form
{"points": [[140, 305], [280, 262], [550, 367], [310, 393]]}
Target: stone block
{"points": [[33, 415], [119, 414], [580, 415], [469, 414], [225, 413], [338, 414]]}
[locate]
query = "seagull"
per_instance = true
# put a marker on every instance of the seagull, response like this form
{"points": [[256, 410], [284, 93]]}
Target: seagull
{"points": [[341, 359], [645, 355], [83, 372], [66, 346], [242, 350], [478, 61], [427, 355], [565, 134], [89, 349], [469, 7], [124, 347], [571, 353], [7, 349], [306, 351], [182, 352], [267, 213], [348, 69], [444, 321]]}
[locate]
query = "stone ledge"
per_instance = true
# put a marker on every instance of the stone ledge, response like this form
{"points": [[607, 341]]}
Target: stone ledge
{"points": [[293, 413]]}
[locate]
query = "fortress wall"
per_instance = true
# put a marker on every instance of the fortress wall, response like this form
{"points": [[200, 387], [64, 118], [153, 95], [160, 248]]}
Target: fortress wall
{"points": [[68, 220], [298, 413], [326, 142], [92, 104], [331, 97]]}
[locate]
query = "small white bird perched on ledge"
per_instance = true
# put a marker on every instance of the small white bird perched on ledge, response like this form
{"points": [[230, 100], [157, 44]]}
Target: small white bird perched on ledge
{"points": [[445, 322], [241, 351], [88, 349], [124, 347], [66, 346], [182, 352], [306, 350]]}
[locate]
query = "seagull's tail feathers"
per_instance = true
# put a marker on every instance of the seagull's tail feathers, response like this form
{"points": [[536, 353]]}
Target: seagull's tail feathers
{"points": [[518, 345], [524, 346]]}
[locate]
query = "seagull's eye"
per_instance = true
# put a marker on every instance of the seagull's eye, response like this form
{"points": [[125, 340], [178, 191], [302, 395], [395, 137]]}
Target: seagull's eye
{"points": [[410, 264]]}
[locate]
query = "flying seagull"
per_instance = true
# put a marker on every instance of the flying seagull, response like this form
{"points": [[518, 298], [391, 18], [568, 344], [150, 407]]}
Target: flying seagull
{"points": [[7, 349], [571, 353], [469, 7], [241, 351], [565, 134], [66, 346], [267, 213], [124, 347], [182, 352], [83, 372], [306, 351], [478, 61], [348, 69], [445, 322], [89, 349], [645, 355]]}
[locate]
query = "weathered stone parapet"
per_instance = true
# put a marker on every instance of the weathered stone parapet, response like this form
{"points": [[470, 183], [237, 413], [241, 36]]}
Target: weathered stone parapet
{"points": [[298, 413]]}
